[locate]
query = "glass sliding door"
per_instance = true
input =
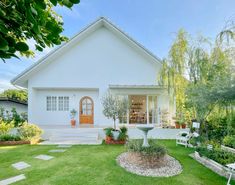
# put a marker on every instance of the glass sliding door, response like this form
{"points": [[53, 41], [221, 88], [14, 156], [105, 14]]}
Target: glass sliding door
{"points": [[152, 109], [138, 109]]}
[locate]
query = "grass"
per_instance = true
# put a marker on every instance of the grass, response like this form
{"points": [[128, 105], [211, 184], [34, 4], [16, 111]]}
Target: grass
{"points": [[89, 165]]}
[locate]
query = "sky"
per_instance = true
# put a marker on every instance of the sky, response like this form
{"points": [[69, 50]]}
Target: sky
{"points": [[153, 23]]}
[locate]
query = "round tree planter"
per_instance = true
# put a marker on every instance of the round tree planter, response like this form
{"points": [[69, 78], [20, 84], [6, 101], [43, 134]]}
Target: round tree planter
{"points": [[213, 165], [228, 149]]}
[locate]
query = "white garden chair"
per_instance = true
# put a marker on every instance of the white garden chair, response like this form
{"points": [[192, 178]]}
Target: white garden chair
{"points": [[182, 138], [231, 168]]}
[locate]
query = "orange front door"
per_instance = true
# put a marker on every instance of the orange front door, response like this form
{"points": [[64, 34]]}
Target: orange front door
{"points": [[86, 110]]}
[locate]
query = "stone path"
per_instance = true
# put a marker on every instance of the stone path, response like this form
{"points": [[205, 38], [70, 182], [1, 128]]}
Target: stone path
{"points": [[44, 157], [57, 151], [12, 179], [21, 165]]}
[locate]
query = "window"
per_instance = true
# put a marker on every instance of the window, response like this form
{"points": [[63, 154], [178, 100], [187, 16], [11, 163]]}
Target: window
{"points": [[63, 102], [51, 103], [66, 103], [48, 103]]}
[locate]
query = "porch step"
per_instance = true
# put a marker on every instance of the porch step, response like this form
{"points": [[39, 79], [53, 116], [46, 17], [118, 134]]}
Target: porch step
{"points": [[72, 136]]}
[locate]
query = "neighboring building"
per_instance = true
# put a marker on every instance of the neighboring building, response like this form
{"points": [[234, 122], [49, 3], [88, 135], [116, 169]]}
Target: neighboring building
{"points": [[9, 103], [77, 75]]}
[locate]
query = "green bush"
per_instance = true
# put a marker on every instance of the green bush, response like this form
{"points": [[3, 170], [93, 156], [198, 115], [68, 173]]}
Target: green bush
{"points": [[153, 149], [229, 141], [122, 136], [5, 127], [29, 132], [123, 129], [217, 154], [108, 132], [9, 137]]}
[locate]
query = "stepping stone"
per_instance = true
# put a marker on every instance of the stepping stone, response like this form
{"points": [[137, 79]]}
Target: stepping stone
{"points": [[64, 146], [58, 150], [20, 165], [44, 157], [12, 179]]}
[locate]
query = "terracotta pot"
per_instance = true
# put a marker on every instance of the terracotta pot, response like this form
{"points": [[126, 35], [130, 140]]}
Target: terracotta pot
{"points": [[177, 125], [109, 138], [73, 123], [183, 125]]}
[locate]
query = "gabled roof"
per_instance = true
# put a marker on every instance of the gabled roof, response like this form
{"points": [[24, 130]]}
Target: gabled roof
{"points": [[21, 79], [7, 99]]}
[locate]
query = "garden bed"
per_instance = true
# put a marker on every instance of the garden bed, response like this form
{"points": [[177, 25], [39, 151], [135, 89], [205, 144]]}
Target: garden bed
{"points": [[115, 142], [211, 164], [228, 149], [166, 166], [4, 143]]}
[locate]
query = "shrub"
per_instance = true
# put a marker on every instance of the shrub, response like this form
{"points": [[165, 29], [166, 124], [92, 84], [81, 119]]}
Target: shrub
{"points": [[5, 127], [217, 154], [29, 132], [229, 141], [123, 129], [122, 136], [108, 132], [153, 150], [9, 137]]}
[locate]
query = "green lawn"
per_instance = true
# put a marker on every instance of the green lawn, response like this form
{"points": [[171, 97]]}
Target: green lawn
{"points": [[96, 165]]}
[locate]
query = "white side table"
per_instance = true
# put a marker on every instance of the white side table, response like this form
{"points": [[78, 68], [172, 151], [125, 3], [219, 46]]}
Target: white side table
{"points": [[231, 171]]}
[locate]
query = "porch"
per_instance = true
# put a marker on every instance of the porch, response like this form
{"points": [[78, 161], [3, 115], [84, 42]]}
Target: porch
{"points": [[91, 134]]}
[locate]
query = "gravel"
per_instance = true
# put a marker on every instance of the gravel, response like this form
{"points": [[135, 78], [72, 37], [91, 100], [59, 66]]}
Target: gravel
{"points": [[170, 168]]}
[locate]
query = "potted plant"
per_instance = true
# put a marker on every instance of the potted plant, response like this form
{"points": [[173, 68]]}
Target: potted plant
{"points": [[73, 113], [177, 124], [109, 134], [114, 106]]}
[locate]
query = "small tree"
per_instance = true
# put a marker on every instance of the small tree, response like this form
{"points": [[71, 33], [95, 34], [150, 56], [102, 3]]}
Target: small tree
{"points": [[114, 107]]}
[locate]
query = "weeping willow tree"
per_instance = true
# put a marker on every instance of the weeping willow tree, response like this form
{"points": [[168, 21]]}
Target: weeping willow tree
{"points": [[196, 74], [173, 70]]}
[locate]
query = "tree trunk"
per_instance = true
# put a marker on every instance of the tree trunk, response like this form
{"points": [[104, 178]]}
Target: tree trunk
{"points": [[114, 124]]}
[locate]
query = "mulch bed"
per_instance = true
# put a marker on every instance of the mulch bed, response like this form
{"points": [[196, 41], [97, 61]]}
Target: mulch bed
{"points": [[115, 142], [167, 166], [4, 143]]}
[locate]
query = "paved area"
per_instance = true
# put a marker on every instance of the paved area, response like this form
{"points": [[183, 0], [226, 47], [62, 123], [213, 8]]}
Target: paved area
{"points": [[44, 157], [12, 179], [21, 165]]}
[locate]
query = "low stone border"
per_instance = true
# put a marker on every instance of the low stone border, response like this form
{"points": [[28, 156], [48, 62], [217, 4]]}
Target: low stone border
{"points": [[172, 167], [211, 164], [4, 143], [228, 149]]}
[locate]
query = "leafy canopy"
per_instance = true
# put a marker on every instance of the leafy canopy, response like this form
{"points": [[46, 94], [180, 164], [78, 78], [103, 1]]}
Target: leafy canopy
{"points": [[21, 20], [15, 94]]}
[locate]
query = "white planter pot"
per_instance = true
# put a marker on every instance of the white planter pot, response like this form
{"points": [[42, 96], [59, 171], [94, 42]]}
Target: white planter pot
{"points": [[115, 135]]}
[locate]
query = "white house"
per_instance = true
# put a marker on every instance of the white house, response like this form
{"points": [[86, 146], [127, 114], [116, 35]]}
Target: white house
{"points": [[77, 74], [9, 103]]}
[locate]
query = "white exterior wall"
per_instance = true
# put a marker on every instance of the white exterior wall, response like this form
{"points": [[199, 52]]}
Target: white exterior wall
{"points": [[97, 61], [7, 105]]}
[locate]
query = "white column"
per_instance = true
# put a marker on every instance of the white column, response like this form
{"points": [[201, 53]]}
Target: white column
{"points": [[127, 112], [147, 104]]}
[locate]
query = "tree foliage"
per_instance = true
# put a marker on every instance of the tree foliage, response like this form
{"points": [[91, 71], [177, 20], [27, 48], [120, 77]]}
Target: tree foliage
{"points": [[21, 20], [20, 95], [114, 106], [201, 76], [172, 73]]}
